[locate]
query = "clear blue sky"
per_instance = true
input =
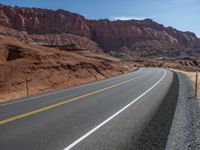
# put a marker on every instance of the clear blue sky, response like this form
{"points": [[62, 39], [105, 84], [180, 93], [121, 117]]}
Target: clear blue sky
{"points": [[181, 14]]}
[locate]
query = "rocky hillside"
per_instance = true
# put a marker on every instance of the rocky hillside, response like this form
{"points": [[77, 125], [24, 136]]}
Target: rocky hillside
{"points": [[144, 38], [46, 69], [134, 38], [66, 41]]}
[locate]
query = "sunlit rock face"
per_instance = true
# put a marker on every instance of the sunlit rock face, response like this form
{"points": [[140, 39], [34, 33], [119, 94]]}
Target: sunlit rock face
{"points": [[138, 37]]}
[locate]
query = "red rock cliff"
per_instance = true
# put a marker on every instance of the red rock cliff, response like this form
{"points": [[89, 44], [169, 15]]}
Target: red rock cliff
{"points": [[143, 37]]}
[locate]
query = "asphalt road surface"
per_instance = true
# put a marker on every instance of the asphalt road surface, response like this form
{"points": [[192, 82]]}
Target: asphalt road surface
{"points": [[106, 114]]}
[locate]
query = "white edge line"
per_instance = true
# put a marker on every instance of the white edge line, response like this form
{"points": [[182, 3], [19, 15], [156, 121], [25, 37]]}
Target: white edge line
{"points": [[114, 115], [48, 94]]}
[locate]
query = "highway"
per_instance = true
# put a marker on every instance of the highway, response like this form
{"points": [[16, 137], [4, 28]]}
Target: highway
{"points": [[106, 114]]}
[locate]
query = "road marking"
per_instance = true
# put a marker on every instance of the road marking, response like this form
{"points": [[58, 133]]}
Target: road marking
{"points": [[113, 116], [47, 94], [65, 102]]}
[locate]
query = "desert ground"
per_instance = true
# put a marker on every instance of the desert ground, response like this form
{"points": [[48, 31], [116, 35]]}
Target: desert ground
{"points": [[27, 69]]}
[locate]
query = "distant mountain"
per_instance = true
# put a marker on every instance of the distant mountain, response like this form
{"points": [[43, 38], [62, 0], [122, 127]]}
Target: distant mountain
{"points": [[133, 38]]}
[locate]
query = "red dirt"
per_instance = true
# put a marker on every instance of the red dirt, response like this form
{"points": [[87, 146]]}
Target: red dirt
{"points": [[48, 69]]}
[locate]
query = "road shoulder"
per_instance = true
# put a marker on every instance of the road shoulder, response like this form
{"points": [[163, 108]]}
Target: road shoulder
{"points": [[185, 130]]}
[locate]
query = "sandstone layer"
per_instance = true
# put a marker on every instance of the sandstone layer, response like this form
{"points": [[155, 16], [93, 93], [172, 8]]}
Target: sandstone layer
{"points": [[144, 38]]}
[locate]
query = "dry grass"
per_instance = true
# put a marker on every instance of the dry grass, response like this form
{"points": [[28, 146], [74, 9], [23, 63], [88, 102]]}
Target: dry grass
{"points": [[192, 76]]}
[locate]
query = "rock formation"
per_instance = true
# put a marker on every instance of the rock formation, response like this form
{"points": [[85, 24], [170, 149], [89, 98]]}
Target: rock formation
{"points": [[139, 38]]}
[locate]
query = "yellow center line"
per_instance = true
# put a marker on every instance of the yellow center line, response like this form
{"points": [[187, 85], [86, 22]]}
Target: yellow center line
{"points": [[64, 102]]}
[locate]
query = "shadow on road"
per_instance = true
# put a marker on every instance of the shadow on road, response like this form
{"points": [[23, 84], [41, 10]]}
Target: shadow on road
{"points": [[155, 135]]}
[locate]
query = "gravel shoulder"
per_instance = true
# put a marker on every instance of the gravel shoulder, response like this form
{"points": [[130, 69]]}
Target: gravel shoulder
{"points": [[155, 135], [176, 125], [185, 129]]}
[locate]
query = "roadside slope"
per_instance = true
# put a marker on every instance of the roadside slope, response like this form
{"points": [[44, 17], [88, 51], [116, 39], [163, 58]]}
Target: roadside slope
{"points": [[46, 69]]}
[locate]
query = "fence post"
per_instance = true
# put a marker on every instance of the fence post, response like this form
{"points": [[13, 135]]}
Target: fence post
{"points": [[27, 90], [196, 85]]}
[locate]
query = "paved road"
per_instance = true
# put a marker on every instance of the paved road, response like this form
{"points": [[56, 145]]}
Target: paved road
{"points": [[98, 115]]}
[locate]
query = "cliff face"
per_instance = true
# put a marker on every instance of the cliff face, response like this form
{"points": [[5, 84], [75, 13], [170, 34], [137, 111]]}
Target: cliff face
{"points": [[142, 38], [143, 35], [131, 34], [43, 21]]}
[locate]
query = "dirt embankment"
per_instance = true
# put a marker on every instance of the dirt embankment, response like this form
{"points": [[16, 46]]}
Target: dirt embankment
{"points": [[48, 69]]}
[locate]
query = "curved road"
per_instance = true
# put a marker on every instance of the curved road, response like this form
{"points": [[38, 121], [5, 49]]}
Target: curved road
{"points": [[105, 114]]}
